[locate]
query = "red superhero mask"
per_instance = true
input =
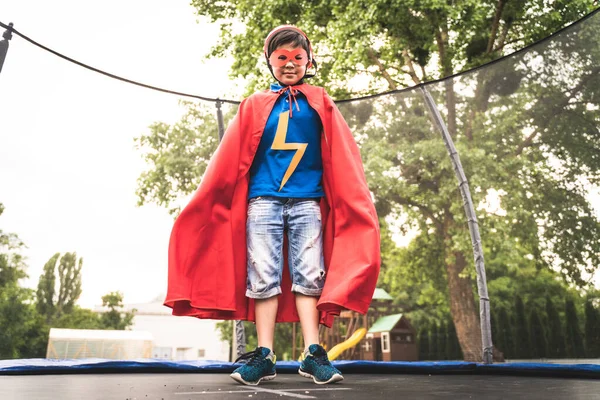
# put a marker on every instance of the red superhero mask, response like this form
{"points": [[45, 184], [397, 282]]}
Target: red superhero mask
{"points": [[281, 57]]}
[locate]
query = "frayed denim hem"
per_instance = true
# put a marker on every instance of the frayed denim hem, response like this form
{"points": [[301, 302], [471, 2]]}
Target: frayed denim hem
{"points": [[263, 295], [306, 291]]}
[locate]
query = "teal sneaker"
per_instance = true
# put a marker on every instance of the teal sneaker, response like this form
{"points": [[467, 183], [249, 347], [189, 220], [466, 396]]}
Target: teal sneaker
{"points": [[317, 366], [260, 366]]}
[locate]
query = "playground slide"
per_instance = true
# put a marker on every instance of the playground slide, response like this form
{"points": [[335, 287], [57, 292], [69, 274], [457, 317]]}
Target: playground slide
{"points": [[347, 344]]}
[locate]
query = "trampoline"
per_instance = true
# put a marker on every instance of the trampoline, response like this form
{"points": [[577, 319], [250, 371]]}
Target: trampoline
{"points": [[147, 379], [155, 379]]}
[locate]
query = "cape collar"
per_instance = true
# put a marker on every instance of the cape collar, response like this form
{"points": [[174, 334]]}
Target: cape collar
{"points": [[291, 91]]}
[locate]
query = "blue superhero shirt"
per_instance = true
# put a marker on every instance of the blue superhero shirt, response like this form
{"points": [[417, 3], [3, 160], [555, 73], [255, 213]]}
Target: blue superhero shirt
{"points": [[288, 160]]}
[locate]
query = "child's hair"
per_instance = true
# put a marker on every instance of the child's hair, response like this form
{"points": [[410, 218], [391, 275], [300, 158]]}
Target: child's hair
{"points": [[288, 36]]}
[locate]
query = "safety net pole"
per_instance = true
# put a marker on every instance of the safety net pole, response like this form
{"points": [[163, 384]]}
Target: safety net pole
{"points": [[240, 338], [220, 122], [7, 35], [239, 335], [484, 301]]}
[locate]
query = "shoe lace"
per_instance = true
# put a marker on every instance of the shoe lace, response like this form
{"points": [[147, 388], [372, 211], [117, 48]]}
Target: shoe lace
{"points": [[321, 359], [253, 357]]}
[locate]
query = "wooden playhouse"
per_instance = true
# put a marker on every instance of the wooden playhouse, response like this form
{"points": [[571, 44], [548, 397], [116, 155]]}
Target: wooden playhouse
{"points": [[376, 336]]}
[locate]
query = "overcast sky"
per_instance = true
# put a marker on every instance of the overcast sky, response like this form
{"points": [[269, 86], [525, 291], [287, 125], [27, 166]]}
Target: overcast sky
{"points": [[68, 166]]}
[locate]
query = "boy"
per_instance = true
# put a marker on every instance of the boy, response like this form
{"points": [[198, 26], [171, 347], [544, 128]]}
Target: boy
{"points": [[288, 166]]}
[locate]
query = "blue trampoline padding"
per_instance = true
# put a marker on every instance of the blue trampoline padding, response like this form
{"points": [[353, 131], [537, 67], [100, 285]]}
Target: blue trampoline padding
{"points": [[46, 366], [590, 370]]}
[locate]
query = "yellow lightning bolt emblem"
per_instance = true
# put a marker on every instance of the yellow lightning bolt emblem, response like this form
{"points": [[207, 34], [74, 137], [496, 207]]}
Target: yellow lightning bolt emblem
{"points": [[280, 144]]}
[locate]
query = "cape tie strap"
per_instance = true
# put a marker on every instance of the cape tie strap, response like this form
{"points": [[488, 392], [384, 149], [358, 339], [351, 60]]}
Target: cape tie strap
{"points": [[291, 92]]}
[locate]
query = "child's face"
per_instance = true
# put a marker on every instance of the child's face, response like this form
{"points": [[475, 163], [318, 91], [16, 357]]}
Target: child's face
{"points": [[289, 73]]}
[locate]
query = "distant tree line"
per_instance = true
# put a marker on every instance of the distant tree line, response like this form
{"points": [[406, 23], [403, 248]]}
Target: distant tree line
{"points": [[532, 332], [27, 315]]}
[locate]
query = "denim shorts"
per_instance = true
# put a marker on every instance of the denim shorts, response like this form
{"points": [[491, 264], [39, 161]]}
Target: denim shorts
{"points": [[268, 219]]}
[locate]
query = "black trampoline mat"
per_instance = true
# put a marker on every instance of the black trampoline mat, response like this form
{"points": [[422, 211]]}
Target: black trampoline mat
{"points": [[290, 386]]}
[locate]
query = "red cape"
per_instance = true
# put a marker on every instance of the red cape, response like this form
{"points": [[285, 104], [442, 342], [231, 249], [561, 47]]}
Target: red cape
{"points": [[207, 250]]}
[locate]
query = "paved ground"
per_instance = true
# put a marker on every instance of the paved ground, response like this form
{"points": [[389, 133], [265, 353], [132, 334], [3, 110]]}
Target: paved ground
{"points": [[354, 387]]}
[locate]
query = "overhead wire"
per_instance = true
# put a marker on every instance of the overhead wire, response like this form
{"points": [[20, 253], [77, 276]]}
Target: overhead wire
{"points": [[81, 64], [219, 101]]}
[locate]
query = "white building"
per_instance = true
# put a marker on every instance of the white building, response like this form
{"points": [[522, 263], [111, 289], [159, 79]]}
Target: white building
{"points": [[64, 344], [177, 338]]}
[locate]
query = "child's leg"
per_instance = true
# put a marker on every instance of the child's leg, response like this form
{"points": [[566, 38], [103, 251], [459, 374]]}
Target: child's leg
{"points": [[309, 318], [264, 233], [308, 276], [265, 311], [305, 257]]}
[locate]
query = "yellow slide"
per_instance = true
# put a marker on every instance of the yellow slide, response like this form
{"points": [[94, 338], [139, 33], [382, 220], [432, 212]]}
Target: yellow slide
{"points": [[347, 344]]}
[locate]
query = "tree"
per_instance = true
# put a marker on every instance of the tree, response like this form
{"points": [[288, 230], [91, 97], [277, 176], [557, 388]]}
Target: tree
{"points": [[115, 317], [453, 351], [510, 136], [592, 330], [53, 304], [573, 337], [79, 318], [556, 337], [442, 340], [508, 333], [424, 349], [497, 330], [177, 156], [23, 333], [434, 350], [539, 344], [12, 267], [523, 345]]}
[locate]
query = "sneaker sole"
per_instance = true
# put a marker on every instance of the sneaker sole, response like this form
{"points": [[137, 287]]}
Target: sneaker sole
{"points": [[238, 378], [334, 378]]}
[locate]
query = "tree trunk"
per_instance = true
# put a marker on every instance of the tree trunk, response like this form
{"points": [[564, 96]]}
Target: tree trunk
{"points": [[447, 70], [451, 105], [464, 312]]}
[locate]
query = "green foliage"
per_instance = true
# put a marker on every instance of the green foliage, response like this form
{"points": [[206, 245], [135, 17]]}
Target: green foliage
{"points": [[434, 350], [452, 345], [539, 343], [526, 129], [177, 156], [573, 336], [80, 318], [53, 304], [424, 348], [282, 340], [556, 337], [415, 278], [115, 317], [504, 339], [442, 340], [496, 329], [592, 330], [522, 337], [12, 267], [382, 41], [24, 333], [26, 319], [225, 329]]}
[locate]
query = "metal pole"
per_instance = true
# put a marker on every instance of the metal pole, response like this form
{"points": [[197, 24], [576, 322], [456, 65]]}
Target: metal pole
{"points": [[240, 338], [220, 120], [239, 335], [7, 35], [484, 301]]}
